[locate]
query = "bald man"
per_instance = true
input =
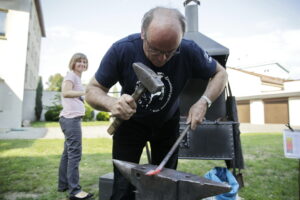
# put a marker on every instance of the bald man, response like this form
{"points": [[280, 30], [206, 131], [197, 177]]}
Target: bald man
{"points": [[155, 117]]}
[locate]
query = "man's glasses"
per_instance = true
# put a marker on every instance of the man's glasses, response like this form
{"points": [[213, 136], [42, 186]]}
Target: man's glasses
{"points": [[156, 52]]}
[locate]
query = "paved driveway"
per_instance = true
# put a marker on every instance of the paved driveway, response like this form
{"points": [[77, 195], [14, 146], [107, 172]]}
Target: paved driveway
{"points": [[53, 132], [264, 128], [100, 131]]}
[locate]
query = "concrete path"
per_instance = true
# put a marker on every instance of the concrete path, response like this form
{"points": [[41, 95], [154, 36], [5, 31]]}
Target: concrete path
{"points": [[53, 132], [264, 128], [100, 131]]}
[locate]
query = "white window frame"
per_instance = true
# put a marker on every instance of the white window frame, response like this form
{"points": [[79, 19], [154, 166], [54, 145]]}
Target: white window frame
{"points": [[1, 94], [3, 21]]}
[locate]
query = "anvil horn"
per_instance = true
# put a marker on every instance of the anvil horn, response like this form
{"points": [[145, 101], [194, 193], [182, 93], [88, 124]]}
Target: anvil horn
{"points": [[169, 184], [125, 168]]}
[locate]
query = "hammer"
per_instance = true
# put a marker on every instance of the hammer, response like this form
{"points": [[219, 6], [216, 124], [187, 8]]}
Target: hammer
{"points": [[149, 81]]}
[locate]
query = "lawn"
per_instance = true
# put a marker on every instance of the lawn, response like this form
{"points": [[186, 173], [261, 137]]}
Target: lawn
{"points": [[28, 168]]}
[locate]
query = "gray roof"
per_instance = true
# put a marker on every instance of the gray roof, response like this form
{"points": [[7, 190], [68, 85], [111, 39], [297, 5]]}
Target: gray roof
{"points": [[212, 47]]}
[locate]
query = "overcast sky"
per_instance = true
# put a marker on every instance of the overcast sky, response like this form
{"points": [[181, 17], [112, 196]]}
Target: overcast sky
{"points": [[255, 31]]}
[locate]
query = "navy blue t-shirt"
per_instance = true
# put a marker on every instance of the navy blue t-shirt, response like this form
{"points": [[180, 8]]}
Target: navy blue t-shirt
{"points": [[116, 66]]}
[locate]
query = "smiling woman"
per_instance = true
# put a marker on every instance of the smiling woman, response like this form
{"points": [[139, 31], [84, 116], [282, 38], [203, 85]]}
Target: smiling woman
{"points": [[70, 122]]}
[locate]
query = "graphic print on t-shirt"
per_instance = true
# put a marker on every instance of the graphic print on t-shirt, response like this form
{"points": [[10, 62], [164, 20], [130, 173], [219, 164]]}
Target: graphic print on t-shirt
{"points": [[156, 102]]}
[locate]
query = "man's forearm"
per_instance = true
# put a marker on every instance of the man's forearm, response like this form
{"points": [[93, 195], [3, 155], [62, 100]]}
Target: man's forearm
{"points": [[99, 99], [216, 85]]}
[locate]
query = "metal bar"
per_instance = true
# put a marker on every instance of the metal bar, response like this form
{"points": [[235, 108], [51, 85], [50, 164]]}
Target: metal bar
{"points": [[167, 157]]}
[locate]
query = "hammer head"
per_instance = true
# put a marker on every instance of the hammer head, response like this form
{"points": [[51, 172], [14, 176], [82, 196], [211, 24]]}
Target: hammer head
{"points": [[150, 80]]}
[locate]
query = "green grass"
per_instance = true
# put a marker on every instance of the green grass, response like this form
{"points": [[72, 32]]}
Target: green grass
{"points": [[56, 124], [28, 168]]}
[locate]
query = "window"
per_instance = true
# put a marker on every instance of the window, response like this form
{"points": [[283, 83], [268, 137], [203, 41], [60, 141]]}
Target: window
{"points": [[1, 94], [3, 14]]}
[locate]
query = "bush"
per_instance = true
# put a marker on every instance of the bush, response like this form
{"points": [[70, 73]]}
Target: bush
{"points": [[52, 113], [102, 116], [89, 113]]}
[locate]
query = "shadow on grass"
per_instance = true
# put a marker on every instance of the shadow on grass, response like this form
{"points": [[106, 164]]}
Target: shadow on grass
{"points": [[37, 176], [6, 145]]}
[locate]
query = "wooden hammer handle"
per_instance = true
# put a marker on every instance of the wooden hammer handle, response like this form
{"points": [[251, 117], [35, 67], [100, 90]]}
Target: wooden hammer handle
{"points": [[114, 126], [117, 121]]}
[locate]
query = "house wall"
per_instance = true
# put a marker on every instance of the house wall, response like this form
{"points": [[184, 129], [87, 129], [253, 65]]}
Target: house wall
{"points": [[21, 5], [243, 84], [292, 86], [257, 112], [13, 58], [294, 111], [33, 50], [248, 87], [294, 102], [265, 88], [20, 52], [2, 93], [10, 115], [28, 110]]}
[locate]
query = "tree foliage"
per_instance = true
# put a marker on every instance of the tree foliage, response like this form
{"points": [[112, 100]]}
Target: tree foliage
{"points": [[53, 111], [54, 82], [102, 116], [52, 114], [38, 100], [89, 113]]}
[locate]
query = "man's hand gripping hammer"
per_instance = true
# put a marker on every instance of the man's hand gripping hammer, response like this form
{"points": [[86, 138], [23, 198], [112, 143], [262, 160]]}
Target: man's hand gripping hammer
{"points": [[149, 81]]}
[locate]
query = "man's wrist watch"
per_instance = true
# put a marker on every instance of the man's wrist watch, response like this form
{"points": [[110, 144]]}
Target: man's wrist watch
{"points": [[208, 101]]}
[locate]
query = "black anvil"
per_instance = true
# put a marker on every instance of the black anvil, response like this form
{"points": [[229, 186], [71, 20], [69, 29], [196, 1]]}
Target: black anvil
{"points": [[169, 184]]}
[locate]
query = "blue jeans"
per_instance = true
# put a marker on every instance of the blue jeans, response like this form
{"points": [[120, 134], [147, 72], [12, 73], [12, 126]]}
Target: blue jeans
{"points": [[68, 175]]}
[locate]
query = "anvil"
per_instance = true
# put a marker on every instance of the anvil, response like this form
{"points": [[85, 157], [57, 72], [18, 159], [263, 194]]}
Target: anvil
{"points": [[169, 184]]}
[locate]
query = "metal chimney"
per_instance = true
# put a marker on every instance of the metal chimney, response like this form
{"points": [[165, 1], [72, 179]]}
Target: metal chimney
{"points": [[191, 15], [214, 49]]}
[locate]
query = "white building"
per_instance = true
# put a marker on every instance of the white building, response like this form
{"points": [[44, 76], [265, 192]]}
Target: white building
{"points": [[21, 30], [265, 99]]}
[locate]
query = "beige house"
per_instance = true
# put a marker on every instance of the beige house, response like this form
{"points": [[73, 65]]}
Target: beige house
{"points": [[21, 30], [264, 99]]}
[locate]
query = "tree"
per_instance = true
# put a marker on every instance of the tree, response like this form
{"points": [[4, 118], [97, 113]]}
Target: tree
{"points": [[54, 82], [38, 100]]}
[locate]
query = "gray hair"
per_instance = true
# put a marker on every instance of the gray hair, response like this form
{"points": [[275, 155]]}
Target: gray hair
{"points": [[148, 17]]}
